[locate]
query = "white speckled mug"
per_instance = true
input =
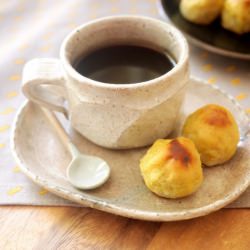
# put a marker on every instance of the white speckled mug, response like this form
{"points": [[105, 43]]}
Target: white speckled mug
{"points": [[113, 115]]}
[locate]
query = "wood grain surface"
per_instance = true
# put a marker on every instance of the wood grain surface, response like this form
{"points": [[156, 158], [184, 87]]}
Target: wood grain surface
{"points": [[85, 228]]}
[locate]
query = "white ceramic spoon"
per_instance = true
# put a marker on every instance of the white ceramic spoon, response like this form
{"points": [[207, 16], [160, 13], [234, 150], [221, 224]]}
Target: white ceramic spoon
{"points": [[84, 171]]}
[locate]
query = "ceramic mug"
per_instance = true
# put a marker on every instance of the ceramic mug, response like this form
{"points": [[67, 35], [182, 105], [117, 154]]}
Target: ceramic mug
{"points": [[113, 115]]}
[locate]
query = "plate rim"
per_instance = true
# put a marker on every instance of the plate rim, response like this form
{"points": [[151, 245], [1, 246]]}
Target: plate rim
{"points": [[203, 45], [118, 210]]}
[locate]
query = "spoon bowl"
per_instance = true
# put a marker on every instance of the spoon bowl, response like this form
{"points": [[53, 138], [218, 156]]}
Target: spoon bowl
{"points": [[86, 172]]}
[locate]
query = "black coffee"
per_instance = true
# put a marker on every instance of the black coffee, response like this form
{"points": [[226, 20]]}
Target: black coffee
{"points": [[124, 64]]}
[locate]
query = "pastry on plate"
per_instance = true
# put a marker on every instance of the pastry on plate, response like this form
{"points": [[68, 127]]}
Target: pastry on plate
{"points": [[214, 132], [201, 11], [172, 168], [236, 16]]}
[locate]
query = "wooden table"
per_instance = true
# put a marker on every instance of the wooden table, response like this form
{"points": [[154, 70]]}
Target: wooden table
{"points": [[84, 228]]}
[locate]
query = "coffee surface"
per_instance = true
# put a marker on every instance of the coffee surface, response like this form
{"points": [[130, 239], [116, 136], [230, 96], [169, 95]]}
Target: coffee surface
{"points": [[124, 64]]}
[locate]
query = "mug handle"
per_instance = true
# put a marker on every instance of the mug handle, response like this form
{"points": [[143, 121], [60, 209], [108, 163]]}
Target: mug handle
{"points": [[43, 82]]}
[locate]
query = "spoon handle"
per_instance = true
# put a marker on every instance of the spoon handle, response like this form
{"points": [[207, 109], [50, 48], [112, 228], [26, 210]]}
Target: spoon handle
{"points": [[57, 126]]}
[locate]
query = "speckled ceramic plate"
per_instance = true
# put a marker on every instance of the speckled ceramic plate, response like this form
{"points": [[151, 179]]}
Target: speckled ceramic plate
{"points": [[211, 37], [43, 158]]}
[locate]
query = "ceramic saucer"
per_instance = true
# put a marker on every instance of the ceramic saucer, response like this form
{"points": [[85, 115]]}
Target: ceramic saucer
{"points": [[43, 158]]}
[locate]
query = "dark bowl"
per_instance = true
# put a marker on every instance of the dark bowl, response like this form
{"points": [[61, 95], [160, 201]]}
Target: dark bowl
{"points": [[212, 37]]}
